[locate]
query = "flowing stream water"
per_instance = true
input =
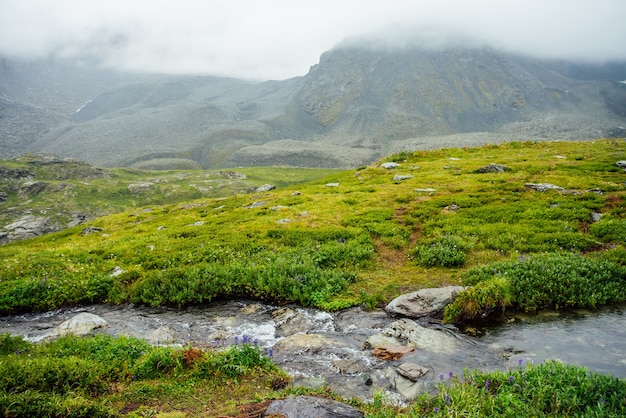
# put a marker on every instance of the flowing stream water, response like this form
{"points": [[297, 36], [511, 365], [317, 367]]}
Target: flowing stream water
{"points": [[317, 348]]}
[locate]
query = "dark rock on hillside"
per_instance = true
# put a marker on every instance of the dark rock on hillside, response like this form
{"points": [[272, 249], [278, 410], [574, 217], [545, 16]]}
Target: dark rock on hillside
{"points": [[32, 187], [62, 168], [493, 168], [14, 173], [28, 226]]}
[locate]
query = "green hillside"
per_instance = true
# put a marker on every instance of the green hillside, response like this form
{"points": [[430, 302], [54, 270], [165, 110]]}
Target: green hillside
{"points": [[354, 237], [360, 236]]}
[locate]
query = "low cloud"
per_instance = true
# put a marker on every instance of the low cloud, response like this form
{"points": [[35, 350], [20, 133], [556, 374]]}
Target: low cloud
{"points": [[276, 39]]}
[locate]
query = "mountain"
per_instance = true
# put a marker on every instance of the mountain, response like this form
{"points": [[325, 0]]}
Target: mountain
{"points": [[356, 105], [36, 96]]}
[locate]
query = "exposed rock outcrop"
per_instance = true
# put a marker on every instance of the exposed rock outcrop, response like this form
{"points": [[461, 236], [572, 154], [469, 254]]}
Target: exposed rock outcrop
{"points": [[542, 187], [493, 168], [28, 226]]}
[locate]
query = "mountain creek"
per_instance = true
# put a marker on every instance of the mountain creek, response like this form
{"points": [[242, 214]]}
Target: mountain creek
{"points": [[336, 349]]}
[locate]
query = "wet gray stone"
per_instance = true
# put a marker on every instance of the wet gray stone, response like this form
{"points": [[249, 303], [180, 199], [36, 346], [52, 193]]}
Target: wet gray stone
{"points": [[350, 366], [311, 406], [424, 302], [290, 321], [162, 335], [81, 324], [421, 337], [412, 371]]}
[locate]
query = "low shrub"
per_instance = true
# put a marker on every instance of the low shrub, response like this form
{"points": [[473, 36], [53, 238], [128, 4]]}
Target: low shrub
{"points": [[611, 230], [158, 362], [233, 362], [547, 390], [269, 276], [55, 375], [12, 345], [36, 404], [480, 301], [552, 280], [447, 251]]}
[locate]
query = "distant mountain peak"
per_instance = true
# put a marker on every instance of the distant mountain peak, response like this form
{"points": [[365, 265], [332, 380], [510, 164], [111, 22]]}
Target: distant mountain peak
{"points": [[361, 97]]}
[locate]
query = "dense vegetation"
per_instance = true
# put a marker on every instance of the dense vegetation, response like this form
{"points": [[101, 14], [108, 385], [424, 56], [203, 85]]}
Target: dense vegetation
{"points": [[361, 241], [103, 376], [551, 389], [363, 237]]}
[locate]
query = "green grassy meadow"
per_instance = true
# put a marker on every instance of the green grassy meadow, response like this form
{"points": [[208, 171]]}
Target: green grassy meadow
{"points": [[337, 239]]}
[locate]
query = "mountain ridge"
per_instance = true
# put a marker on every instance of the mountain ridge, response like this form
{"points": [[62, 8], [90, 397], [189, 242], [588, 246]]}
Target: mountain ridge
{"points": [[354, 106]]}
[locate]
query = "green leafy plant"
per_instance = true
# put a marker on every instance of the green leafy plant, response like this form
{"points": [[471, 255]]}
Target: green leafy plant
{"points": [[552, 280], [447, 251]]}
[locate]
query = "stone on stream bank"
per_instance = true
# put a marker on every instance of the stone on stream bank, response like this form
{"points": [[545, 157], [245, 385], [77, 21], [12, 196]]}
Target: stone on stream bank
{"points": [[82, 324], [424, 302], [417, 336], [311, 406], [316, 348]]}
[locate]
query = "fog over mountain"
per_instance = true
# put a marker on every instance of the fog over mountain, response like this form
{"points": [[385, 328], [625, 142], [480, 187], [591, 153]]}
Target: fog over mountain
{"points": [[358, 104], [133, 84], [279, 39]]}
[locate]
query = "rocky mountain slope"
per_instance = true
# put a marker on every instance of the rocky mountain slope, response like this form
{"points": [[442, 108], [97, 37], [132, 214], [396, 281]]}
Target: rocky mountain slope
{"points": [[355, 106]]}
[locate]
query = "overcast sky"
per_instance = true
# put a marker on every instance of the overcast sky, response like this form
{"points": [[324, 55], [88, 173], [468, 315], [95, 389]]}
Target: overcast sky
{"points": [[278, 39]]}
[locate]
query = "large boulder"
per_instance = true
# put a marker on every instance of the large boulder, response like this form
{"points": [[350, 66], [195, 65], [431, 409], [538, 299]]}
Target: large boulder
{"points": [[81, 324], [311, 406], [424, 302], [421, 337]]}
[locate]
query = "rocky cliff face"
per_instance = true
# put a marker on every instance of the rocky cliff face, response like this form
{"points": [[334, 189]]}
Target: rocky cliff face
{"points": [[395, 95], [356, 105]]}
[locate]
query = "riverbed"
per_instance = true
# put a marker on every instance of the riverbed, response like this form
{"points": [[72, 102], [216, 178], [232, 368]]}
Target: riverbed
{"points": [[322, 349]]}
